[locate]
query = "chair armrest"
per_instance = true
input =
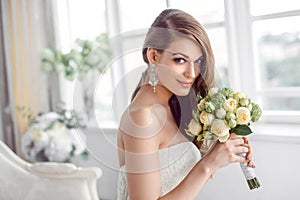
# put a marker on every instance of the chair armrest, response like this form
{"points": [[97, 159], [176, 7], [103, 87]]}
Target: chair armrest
{"points": [[52, 168], [64, 170]]}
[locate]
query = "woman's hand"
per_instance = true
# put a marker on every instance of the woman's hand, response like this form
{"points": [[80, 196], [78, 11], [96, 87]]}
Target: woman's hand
{"points": [[227, 152], [249, 154]]}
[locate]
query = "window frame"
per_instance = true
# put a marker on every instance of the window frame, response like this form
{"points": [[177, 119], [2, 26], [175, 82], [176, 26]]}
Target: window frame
{"points": [[243, 62]]}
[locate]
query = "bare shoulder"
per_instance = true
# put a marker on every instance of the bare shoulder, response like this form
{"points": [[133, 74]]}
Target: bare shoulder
{"points": [[142, 125], [143, 122]]}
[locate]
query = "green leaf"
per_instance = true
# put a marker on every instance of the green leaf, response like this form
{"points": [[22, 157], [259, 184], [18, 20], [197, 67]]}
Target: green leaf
{"points": [[50, 126], [72, 153], [242, 130], [84, 155]]}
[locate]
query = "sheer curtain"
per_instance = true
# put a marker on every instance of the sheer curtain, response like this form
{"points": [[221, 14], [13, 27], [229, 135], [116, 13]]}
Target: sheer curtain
{"points": [[27, 29]]}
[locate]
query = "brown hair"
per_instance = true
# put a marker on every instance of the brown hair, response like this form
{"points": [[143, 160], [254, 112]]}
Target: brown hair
{"points": [[180, 22]]}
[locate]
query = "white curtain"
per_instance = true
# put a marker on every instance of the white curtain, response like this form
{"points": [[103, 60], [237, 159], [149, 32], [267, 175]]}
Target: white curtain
{"points": [[27, 29]]}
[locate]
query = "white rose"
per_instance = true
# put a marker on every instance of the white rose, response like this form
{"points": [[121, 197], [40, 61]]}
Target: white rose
{"points": [[194, 127], [230, 104], [206, 118], [219, 128], [59, 148], [40, 139], [243, 115], [220, 113]]}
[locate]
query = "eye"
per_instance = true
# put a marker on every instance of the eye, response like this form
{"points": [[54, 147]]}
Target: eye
{"points": [[197, 64], [199, 61], [179, 60]]}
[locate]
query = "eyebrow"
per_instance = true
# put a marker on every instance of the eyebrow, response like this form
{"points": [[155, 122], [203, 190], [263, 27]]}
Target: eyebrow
{"points": [[184, 55], [180, 54]]}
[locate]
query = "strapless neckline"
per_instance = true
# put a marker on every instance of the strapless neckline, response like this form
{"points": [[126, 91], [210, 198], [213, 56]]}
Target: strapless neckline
{"points": [[176, 161], [175, 145], [171, 147]]}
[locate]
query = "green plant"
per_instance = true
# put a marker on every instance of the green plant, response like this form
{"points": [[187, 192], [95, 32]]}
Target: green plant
{"points": [[85, 56]]}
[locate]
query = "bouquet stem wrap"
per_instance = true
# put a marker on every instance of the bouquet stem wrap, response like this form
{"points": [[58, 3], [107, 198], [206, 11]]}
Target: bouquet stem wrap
{"points": [[249, 174]]}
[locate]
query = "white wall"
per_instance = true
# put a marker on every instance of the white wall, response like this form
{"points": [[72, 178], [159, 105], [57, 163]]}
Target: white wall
{"points": [[103, 153], [277, 166]]}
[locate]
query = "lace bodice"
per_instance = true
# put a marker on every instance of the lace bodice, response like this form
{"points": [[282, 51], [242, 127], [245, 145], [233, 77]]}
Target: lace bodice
{"points": [[176, 161]]}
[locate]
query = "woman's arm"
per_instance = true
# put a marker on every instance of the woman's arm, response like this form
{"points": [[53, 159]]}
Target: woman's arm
{"points": [[221, 155], [140, 132], [142, 159]]}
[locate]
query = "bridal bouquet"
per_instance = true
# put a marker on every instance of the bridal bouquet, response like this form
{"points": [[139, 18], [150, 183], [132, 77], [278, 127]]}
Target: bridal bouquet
{"points": [[221, 112], [53, 137]]}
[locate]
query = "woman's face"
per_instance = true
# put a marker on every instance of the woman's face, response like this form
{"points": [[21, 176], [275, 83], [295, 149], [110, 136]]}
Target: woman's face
{"points": [[179, 65]]}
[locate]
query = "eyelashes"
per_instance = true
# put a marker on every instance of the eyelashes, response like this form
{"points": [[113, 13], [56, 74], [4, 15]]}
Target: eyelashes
{"points": [[197, 63], [179, 60]]}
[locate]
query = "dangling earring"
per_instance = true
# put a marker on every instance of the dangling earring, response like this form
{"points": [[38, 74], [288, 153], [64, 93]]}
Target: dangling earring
{"points": [[153, 77]]}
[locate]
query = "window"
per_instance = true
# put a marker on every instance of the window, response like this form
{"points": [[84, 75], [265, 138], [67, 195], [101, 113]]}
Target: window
{"points": [[85, 20], [276, 40], [256, 46]]}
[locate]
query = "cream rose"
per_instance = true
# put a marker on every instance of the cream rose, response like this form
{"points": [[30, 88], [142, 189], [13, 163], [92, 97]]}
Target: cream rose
{"points": [[230, 104], [224, 138], [238, 95], [194, 127], [220, 128], [243, 115], [201, 104], [206, 118]]}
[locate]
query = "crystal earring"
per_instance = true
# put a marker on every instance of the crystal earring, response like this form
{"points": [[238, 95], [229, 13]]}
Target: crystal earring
{"points": [[153, 80]]}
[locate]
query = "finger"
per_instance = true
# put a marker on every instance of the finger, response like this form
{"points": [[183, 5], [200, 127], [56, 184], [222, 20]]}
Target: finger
{"points": [[240, 159], [251, 164], [234, 136], [237, 142], [245, 140], [241, 149], [249, 154]]}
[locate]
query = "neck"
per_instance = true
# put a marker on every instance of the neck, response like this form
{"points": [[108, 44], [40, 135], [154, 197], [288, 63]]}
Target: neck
{"points": [[161, 96]]}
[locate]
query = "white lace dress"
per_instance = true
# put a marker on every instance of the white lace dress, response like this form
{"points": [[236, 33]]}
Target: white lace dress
{"points": [[176, 161]]}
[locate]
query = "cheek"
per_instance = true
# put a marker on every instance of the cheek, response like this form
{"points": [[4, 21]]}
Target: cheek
{"points": [[168, 77], [167, 74], [169, 71]]}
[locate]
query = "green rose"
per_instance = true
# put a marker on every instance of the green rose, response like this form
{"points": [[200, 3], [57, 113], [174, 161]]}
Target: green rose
{"points": [[218, 100], [227, 92], [209, 107], [255, 112]]}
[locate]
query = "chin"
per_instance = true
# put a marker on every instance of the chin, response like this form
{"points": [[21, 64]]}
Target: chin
{"points": [[184, 92]]}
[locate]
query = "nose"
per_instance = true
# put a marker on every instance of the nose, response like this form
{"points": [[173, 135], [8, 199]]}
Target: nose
{"points": [[190, 71]]}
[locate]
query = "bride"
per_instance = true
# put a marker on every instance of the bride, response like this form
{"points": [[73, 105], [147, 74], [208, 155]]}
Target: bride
{"points": [[156, 160]]}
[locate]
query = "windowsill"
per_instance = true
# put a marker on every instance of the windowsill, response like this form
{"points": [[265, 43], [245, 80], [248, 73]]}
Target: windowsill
{"points": [[271, 132], [276, 132], [94, 126]]}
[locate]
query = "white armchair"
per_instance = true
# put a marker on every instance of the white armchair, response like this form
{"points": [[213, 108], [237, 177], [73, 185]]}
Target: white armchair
{"points": [[48, 181]]}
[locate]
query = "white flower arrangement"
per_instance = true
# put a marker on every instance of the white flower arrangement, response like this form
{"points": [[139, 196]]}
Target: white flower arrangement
{"points": [[221, 112], [53, 137]]}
